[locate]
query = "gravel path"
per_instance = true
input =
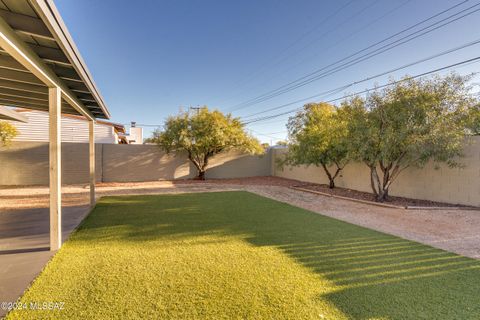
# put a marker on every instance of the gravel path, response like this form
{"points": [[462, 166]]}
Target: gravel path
{"points": [[451, 230]]}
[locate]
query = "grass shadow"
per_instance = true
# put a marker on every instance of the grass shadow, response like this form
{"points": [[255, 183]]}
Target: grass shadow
{"points": [[376, 275]]}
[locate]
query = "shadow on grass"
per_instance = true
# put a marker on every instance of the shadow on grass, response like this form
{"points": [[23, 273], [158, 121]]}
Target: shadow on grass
{"points": [[377, 275]]}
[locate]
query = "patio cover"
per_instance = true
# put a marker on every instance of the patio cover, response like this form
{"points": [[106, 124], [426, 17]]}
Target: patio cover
{"points": [[41, 68], [38, 27]]}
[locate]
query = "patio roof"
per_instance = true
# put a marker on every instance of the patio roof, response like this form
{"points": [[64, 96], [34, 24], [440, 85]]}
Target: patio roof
{"points": [[41, 38], [41, 69]]}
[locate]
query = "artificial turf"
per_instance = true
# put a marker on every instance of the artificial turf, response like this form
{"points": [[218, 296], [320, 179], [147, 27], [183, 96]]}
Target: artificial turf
{"points": [[233, 255]]}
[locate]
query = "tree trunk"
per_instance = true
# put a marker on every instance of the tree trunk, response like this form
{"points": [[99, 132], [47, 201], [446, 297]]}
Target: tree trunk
{"points": [[200, 164], [372, 183], [331, 185], [380, 187], [382, 195], [201, 175], [385, 191], [377, 185]]}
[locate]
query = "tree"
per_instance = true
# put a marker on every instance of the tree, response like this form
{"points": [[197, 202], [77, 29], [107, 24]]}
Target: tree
{"points": [[7, 132], [203, 134], [408, 124], [474, 120], [265, 145], [318, 137]]}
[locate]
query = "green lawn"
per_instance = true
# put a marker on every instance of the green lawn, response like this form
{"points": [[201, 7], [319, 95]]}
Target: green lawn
{"points": [[238, 255]]}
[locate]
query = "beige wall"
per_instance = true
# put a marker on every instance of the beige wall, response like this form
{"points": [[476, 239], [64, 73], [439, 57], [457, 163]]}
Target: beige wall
{"points": [[26, 163], [457, 185], [148, 162]]}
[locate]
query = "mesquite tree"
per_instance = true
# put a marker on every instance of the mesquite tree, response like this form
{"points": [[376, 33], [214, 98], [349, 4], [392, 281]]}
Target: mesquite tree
{"points": [[408, 124], [7, 132], [317, 137], [203, 134], [474, 120]]}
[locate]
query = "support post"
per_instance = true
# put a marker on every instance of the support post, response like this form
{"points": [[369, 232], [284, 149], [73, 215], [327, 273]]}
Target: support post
{"points": [[91, 143], [55, 158]]}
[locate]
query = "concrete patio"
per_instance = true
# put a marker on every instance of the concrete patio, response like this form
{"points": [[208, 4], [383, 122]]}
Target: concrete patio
{"points": [[24, 246]]}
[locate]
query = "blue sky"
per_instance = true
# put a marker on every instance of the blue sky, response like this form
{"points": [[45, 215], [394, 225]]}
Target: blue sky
{"points": [[150, 57]]}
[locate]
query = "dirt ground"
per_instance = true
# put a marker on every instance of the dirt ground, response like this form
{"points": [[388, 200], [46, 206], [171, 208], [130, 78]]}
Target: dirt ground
{"points": [[451, 230], [360, 195]]}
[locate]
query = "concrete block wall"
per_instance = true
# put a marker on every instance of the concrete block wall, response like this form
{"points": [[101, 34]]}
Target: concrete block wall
{"points": [[26, 163], [436, 183]]}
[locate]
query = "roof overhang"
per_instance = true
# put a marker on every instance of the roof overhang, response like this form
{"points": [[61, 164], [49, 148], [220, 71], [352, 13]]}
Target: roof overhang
{"points": [[37, 52], [9, 114]]}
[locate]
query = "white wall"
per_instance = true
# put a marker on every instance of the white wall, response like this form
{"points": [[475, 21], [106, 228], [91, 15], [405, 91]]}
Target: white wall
{"points": [[135, 135]]}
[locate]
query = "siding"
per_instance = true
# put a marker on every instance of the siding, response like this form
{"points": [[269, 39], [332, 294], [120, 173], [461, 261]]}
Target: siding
{"points": [[73, 130]]}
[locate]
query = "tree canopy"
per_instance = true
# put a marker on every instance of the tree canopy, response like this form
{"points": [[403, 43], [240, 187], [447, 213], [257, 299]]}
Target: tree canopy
{"points": [[408, 124], [474, 120], [204, 134], [318, 137], [7, 132]]}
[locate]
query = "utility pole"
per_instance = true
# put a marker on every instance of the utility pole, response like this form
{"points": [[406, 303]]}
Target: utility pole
{"points": [[197, 109]]}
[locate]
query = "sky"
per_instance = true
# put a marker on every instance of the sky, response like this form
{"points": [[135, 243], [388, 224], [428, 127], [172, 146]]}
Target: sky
{"points": [[151, 58]]}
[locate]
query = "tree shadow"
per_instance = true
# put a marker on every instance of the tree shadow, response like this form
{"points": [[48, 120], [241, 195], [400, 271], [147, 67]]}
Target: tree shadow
{"points": [[375, 275]]}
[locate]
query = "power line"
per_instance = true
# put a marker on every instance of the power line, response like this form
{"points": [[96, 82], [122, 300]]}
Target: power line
{"points": [[327, 32], [362, 58], [278, 132], [278, 120], [268, 135], [370, 89], [357, 30], [313, 76], [327, 93], [285, 49], [144, 125]]}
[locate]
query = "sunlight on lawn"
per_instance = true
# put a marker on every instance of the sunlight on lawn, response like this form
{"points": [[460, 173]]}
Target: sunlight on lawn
{"points": [[238, 255]]}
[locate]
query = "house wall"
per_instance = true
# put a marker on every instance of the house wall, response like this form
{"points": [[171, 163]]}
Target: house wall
{"points": [[26, 163], [73, 130], [453, 185], [135, 135]]}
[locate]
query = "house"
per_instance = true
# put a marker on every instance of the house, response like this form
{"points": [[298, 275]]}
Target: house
{"points": [[74, 128], [135, 135]]}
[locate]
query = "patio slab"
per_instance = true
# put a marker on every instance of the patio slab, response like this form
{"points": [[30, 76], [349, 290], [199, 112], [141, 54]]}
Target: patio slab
{"points": [[24, 246]]}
